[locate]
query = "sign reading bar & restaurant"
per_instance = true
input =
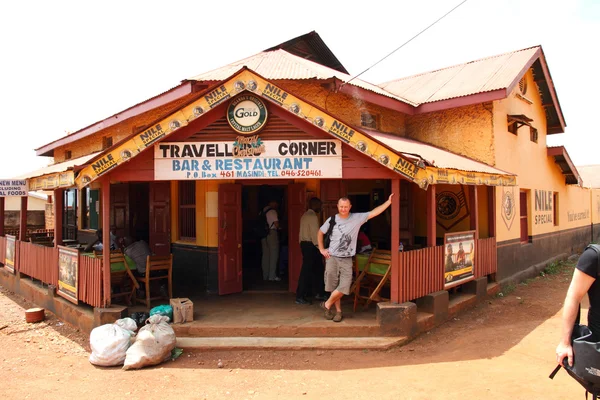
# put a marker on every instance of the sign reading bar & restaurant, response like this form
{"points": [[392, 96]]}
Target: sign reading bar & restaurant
{"points": [[248, 157]]}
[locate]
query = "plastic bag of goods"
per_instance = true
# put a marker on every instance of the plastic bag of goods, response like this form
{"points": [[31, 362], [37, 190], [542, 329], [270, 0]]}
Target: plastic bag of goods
{"points": [[164, 309], [127, 323], [153, 344], [109, 344]]}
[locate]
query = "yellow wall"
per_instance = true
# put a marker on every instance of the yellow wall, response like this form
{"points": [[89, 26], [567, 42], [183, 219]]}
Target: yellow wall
{"points": [[595, 205], [535, 169], [465, 130]]}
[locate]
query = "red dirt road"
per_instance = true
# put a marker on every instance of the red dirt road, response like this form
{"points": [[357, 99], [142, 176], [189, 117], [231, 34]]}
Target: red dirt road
{"points": [[502, 349]]}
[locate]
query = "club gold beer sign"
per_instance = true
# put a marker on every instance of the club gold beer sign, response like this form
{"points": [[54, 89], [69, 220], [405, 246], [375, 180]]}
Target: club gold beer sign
{"points": [[247, 114]]}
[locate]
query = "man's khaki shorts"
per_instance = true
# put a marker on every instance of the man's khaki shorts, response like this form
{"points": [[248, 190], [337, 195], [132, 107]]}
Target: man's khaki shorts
{"points": [[338, 274]]}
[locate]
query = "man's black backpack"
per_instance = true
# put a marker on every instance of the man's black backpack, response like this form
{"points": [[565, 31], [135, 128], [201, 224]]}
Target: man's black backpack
{"points": [[327, 236], [586, 353], [261, 229]]}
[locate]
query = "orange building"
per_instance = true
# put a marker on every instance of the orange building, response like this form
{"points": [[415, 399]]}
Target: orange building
{"points": [[480, 197]]}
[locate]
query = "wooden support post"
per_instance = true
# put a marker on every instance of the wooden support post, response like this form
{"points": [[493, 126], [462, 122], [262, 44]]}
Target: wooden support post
{"points": [[106, 241], [2, 222], [430, 213], [474, 205], [395, 243], [23, 222], [59, 202], [492, 211]]}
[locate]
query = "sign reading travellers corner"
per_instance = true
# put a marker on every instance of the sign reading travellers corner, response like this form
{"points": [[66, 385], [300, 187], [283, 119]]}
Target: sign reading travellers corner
{"points": [[248, 157]]}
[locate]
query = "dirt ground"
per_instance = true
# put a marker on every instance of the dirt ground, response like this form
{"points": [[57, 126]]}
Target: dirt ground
{"points": [[502, 349]]}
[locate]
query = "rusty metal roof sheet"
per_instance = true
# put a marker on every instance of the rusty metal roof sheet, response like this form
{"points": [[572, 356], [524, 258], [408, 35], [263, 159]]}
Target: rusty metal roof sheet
{"points": [[433, 155], [279, 64], [484, 75]]}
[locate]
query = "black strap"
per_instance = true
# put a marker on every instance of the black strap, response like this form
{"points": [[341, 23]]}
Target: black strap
{"points": [[558, 366], [331, 225]]}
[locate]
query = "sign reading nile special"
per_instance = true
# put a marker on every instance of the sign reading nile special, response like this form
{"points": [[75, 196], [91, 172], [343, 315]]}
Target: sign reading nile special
{"points": [[248, 157]]}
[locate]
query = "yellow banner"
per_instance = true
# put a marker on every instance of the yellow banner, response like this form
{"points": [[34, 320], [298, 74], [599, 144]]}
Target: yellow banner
{"points": [[435, 176], [52, 181]]}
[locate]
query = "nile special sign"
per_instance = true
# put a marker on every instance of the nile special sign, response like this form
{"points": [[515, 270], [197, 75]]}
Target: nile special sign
{"points": [[248, 157], [247, 114]]}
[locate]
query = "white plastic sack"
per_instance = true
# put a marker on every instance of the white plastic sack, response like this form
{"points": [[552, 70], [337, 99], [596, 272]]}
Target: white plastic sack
{"points": [[127, 323], [153, 344], [109, 345]]}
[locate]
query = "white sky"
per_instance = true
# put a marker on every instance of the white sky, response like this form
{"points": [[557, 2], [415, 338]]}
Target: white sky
{"points": [[68, 64]]}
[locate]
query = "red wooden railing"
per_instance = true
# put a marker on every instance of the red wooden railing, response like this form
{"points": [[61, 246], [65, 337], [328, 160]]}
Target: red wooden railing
{"points": [[38, 262], [486, 257], [2, 249], [90, 280], [421, 272]]}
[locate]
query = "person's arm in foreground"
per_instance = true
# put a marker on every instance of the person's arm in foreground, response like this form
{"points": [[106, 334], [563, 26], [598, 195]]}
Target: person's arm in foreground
{"points": [[381, 208], [580, 284]]}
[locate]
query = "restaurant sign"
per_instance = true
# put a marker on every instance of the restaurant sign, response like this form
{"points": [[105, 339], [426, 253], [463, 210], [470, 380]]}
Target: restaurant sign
{"points": [[248, 157], [13, 187]]}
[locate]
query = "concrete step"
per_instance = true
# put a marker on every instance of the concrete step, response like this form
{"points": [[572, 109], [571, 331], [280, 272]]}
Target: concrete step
{"points": [[285, 343], [316, 329]]}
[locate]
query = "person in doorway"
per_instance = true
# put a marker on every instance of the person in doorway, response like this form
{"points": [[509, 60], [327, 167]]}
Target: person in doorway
{"points": [[583, 281], [363, 244], [311, 274], [270, 243], [342, 246]]}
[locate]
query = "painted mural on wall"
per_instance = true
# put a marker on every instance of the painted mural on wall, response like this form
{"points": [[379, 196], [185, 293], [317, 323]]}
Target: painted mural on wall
{"points": [[451, 207], [543, 207], [248, 157], [508, 207], [459, 258]]}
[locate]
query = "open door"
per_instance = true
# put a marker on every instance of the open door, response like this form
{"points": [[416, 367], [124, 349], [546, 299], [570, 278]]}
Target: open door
{"points": [[160, 218], [230, 238], [296, 207]]}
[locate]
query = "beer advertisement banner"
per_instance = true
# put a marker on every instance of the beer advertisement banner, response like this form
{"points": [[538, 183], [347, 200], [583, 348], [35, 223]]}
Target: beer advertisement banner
{"points": [[459, 258], [13, 187], [53, 181], [11, 253], [435, 176], [68, 273], [248, 157]]}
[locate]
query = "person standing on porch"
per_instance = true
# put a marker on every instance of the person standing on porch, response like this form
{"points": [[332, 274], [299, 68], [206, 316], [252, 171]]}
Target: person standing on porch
{"points": [[342, 246], [311, 275], [270, 243]]}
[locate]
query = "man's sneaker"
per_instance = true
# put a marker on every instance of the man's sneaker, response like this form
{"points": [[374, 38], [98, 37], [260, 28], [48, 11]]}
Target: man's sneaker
{"points": [[338, 317], [302, 301], [328, 313], [276, 279]]}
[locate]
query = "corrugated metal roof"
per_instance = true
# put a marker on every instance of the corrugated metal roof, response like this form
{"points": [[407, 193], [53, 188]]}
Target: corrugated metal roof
{"points": [[590, 175], [59, 167], [485, 75], [433, 155], [279, 64]]}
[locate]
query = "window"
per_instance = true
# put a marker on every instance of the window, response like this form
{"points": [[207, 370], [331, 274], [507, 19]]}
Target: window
{"points": [[523, 86], [107, 142], [524, 217], [187, 210], [555, 204], [67, 154], [70, 214], [89, 208], [513, 127], [368, 120], [533, 134]]}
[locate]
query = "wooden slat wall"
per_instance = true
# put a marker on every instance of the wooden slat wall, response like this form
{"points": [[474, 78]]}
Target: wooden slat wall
{"points": [[90, 281], [38, 262], [2, 249], [422, 271], [486, 257]]}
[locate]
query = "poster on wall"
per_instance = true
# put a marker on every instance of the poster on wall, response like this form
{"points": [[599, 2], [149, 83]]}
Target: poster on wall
{"points": [[248, 157], [68, 273], [459, 258], [9, 259]]}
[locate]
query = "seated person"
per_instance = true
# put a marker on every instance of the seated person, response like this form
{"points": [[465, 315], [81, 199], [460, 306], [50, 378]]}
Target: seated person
{"points": [[97, 244], [138, 251], [363, 244]]}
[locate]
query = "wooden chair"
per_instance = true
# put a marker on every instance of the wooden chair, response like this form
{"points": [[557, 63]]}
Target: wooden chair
{"points": [[121, 279], [157, 268], [372, 279]]}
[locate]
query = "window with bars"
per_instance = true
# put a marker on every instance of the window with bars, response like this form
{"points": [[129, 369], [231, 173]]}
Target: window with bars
{"points": [[368, 120], [67, 154], [533, 134], [187, 210]]}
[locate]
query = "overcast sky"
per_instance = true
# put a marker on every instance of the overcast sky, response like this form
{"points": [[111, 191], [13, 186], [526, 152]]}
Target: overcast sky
{"points": [[66, 65]]}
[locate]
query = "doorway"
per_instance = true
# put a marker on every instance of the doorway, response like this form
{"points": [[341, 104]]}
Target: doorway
{"points": [[254, 199]]}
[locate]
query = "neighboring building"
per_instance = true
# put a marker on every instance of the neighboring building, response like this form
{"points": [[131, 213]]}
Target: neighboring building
{"points": [[464, 148], [37, 205]]}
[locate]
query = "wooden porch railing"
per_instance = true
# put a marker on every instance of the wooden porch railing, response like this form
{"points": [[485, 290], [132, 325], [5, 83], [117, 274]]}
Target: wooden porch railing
{"points": [[90, 280], [422, 271], [38, 262]]}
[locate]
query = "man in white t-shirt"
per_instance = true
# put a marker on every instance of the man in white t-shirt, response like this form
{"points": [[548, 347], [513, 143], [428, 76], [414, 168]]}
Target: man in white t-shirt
{"points": [[270, 244]]}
